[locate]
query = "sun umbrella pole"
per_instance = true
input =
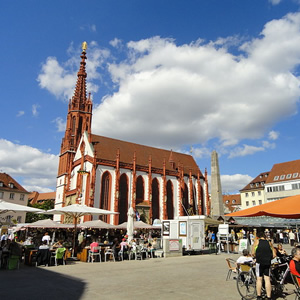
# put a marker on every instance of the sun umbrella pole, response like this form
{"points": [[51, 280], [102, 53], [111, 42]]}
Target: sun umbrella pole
{"points": [[74, 236]]}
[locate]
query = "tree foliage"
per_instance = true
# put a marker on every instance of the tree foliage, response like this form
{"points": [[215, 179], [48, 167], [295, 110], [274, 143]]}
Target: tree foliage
{"points": [[46, 205]]}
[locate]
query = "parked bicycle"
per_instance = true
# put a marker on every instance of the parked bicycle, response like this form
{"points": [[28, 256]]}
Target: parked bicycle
{"points": [[246, 280]]}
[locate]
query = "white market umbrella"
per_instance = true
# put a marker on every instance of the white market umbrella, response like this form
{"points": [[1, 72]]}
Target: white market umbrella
{"points": [[47, 223], [76, 211], [136, 225], [130, 220], [7, 206], [97, 224]]}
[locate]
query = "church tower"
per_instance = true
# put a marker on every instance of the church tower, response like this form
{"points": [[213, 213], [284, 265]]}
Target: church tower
{"points": [[79, 120]]}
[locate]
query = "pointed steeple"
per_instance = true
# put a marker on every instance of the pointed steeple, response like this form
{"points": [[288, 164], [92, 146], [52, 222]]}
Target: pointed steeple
{"points": [[79, 118]]}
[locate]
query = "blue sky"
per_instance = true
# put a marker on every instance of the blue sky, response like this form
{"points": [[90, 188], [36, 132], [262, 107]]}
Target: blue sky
{"points": [[192, 76]]}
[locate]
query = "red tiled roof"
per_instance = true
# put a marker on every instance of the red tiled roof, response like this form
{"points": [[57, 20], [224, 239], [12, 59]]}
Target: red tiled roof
{"points": [[258, 180], [6, 180], [230, 198], [107, 148], [35, 197], [290, 168]]}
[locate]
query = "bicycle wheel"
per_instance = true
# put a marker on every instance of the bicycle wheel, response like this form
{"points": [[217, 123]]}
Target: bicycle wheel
{"points": [[246, 285]]}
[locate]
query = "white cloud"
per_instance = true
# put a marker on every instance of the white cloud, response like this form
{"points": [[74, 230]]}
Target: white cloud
{"points": [[231, 184], [116, 43], [34, 109], [273, 135], [60, 124], [60, 79], [20, 113], [245, 150], [171, 95], [37, 169], [274, 2]]}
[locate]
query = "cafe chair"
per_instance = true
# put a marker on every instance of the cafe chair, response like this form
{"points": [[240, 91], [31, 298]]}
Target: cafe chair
{"points": [[43, 257], [231, 267], [110, 254], [92, 255]]}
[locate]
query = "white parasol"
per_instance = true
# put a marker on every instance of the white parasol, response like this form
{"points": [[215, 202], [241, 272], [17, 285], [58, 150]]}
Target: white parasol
{"points": [[130, 221], [47, 223], [136, 225], [7, 206], [97, 224], [76, 211]]}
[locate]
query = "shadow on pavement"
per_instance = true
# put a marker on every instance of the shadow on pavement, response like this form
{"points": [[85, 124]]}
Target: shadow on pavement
{"points": [[39, 283]]}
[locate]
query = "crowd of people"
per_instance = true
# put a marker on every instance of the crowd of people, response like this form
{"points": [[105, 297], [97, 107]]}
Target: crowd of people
{"points": [[263, 252]]}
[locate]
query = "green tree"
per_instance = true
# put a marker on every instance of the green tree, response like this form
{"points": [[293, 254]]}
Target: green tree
{"points": [[31, 217]]}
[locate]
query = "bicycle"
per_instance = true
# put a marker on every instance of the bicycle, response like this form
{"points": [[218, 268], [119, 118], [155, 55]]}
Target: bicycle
{"points": [[246, 280]]}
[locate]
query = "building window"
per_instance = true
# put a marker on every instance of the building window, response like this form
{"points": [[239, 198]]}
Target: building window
{"points": [[266, 175], [1, 183], [259, 193], [295, 175], [269, 189], [227, 201], [253, 203], [233, 201], [295, 186], [11, 185], [22, 197], [11, 196], [8, 218], [251, 185], [262, 183], [1, 195], [247, 195], [252, 194], [276, 178], [288, 176], [247, 203], [257, 184], [259, 202], [19, 219], [282, 177]]}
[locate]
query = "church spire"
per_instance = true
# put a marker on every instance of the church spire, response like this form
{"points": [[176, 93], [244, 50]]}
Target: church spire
{"points": [[79, 118], [79, 98]]}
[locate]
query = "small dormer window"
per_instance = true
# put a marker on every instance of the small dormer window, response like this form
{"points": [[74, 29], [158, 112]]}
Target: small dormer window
{"points": [[257, 184], [276, 178], [251, 185], [233, 201], [11, 185], [1, 183], [288, 176], [295, 175], [282, 177]]}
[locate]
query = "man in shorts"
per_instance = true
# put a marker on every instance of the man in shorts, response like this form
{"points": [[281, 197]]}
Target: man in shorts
{"points": [[264, 252]]}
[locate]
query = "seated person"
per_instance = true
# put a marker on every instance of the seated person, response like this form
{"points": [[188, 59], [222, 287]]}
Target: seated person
{"points": [[295, 263], [43, 254], [58, 244], [246, 258], [280, 252], [93, 245], [124, 245], [44, 245]]}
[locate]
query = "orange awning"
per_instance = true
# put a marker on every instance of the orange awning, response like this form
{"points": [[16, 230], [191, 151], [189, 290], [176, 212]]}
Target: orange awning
{"points": [[288, 207]]}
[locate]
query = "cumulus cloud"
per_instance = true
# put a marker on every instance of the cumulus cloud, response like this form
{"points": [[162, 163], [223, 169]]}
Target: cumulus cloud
{"points": [[245, 150], [171, 95], [273, 135], [37, 169], [116, 43], [231, 184], [60, 124], [59, 79]]}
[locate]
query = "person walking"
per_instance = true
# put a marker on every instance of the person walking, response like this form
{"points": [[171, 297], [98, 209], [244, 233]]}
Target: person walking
{"points": [[292, 237], [263, 251]]}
